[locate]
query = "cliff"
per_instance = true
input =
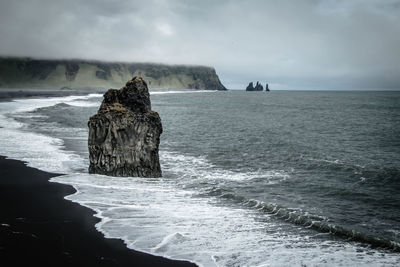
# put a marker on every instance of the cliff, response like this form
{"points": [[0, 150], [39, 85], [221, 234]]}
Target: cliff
{"points": [[84, 74], [124, 135]]}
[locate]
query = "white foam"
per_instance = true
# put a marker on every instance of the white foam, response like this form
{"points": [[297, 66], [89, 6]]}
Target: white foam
{"points": [[82, 104], [38, 150], [162, 218], [199, 168], [336, 162], [169, 239], [25, 105]]}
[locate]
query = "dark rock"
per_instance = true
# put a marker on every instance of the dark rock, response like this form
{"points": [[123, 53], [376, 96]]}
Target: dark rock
{"points": [[101, 74], [258, 87], [36, 68], [250, 87], [124, 135], [105, 70], [266, 88], [71, 70]]}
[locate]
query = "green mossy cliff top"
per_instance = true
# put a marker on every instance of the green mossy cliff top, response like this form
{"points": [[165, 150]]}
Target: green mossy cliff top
{"points": [[85, 74]]}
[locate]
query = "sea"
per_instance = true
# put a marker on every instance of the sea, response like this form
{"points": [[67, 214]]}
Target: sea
{"points": [[281, 178]]}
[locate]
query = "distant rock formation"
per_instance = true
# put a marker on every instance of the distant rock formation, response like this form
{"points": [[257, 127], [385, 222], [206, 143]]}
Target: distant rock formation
{"points": [[258, 87], [250, 87], [266, 88], [124, 135], [85, 74]]}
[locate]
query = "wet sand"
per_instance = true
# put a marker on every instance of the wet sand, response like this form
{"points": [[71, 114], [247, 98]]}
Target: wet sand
{"points": [[38, 227]]}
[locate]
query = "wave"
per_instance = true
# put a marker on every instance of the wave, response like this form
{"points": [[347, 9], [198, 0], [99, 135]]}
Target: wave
{"points": [[158, 216], [335, 164], [373, 174], [198, 168], [38, 150], [317, 223], [169, 239]]}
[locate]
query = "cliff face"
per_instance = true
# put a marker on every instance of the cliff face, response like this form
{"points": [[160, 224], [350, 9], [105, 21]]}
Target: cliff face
{"points": [[124, 135], [81, 74]]}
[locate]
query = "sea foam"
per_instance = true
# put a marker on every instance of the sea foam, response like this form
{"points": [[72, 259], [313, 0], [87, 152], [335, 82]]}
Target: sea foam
{"points": [[38, 150]]}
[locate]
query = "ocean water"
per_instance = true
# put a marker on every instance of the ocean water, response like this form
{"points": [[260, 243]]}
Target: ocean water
{"points": [[249, 178]]}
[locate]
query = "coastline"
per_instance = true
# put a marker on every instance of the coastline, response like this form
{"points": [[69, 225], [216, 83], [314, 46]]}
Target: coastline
{"points": [[7, 95], [39, 226]]}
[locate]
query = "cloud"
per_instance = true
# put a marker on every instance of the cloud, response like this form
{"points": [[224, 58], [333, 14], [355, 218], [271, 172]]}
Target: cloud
{"points": [[313, 44], [164, 28]]}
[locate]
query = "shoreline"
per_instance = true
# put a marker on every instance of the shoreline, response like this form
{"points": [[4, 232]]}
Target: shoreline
{"points": [[7, 95], [39, 226]]}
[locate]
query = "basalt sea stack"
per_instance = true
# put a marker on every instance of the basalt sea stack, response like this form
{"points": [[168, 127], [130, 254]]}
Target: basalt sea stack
{"points": [[125, 133], [258, 87]]}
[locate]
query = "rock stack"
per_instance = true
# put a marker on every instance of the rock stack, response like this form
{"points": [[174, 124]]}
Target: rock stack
{"points": [[124, 135], [258, 87]]}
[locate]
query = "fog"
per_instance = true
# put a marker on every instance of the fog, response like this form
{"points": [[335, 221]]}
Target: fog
{"points": [[314, 44]]}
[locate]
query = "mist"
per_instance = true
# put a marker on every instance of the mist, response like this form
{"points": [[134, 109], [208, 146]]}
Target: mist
{"points": [[315, 44]]}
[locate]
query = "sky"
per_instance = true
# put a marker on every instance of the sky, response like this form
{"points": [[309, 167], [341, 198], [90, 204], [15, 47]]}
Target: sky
{"points": [[291, 44]]}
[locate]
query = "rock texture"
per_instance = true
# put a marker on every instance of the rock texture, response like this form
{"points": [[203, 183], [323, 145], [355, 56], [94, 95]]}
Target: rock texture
{"points": [[258, 87], [124, 135], [85, 74]]}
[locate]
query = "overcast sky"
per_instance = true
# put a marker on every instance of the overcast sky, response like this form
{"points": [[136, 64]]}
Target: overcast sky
{"points": [[310, 44]]}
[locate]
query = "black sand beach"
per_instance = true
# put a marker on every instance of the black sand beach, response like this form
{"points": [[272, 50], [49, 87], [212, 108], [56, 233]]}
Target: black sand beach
{"points": [[38, 227]]}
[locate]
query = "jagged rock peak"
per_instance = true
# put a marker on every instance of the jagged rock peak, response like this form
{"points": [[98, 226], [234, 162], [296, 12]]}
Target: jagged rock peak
{"points": [[258, 87], [133, 96], [124, 135], [250, 87]]}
